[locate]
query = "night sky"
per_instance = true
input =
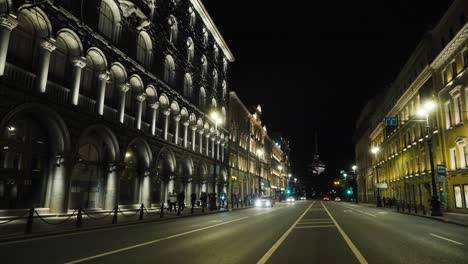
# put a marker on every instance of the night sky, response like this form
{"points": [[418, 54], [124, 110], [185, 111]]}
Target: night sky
{"points": [[344, 52]]}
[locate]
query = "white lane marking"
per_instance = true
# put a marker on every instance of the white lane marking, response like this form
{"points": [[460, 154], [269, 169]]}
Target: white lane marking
{"points": [[314, 223], [351, 245], [269, 211], [316, 219], [303, 227], [358, 210], [151, 242], [453, 241], [272, 250], [347, 211]]}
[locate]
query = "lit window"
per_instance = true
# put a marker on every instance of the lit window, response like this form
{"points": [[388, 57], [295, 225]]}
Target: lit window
{"points": [[448, 115], [453, 158], [458, 109], [458, 198]]}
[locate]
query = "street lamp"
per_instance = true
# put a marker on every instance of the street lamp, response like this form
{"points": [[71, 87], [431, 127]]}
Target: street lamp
{"points": [[375, 151], [217, 120], [260, 155], [427, 108], [354, 167]]}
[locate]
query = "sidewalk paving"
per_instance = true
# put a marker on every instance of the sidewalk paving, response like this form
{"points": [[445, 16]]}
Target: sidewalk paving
{"points": [[448, 217], [51, 224]]}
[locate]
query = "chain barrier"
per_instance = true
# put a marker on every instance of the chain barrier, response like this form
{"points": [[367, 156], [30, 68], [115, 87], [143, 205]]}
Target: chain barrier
{"points": [[59, 223], [122, 213], [97, 218], [13, 219], [146, 210]]}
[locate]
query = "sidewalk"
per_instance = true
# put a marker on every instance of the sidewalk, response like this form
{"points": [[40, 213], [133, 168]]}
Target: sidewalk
{"points": [[448, 217], [12, 228]]}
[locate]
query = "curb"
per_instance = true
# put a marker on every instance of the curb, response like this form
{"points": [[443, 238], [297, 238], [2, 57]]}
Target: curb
{"points": [[107, 226]]}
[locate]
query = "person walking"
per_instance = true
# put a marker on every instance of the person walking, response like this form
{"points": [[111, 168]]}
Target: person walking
{"points": [[203, 200], [173, 200], [193, 198]]}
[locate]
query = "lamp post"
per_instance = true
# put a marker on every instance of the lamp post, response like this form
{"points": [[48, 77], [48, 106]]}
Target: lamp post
{"points": [[259, 155], [427, 108], [354, 167], [217, 120], [375, 151]]}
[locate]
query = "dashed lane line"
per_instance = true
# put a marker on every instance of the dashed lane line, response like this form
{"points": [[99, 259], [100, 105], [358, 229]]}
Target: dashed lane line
{"points": [[444, 238]]}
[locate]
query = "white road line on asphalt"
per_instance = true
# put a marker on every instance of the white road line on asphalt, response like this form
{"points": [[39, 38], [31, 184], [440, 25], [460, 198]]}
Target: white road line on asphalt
{"points": [[304, 227], [272, 250], [315, 219], [152, 242], [358, 210], [351, 245], [453, 241], [274, 210]]}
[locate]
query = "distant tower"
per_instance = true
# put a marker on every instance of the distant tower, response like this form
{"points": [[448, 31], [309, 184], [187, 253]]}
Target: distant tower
{"points": [[317, 167]]}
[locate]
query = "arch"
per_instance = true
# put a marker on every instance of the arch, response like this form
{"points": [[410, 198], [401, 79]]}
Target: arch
{"points": [[143, 152], [202, 171], [96, 63], [214, 104], [187, 166], [96, 59], [184, 115], [175, 109], [214, 83], [144, 49], [151, 93], [165, 162], [173, 29], [193, 119], [102, 136], [33, 28], [109, 20], [223, 112], [204, 63], [118, 76], [136, 83], [118, 73], [163, 101], [192, 18], [190, 50], [169, 70], [224, 90], [200, 123], [202, 98], [188, 85], [69, 48]]}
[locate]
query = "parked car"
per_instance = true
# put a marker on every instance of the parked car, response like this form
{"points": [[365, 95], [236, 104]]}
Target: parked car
{"points": [[326, 198], [290, 199], [337, 199]]}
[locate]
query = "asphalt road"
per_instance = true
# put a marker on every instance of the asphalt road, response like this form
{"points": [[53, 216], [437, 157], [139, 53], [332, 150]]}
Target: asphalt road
{"points": [[303, 232]]}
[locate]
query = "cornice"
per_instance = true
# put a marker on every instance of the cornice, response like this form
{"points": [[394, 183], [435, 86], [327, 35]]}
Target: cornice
{"points": [[451, 48]]}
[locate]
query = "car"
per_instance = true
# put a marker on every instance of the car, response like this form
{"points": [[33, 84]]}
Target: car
{"points": [[290, 199], [264, 201], [326, 198], [303, 198], [337, 199]]}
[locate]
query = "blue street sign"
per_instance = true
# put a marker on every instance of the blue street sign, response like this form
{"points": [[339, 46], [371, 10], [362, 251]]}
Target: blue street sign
{"points": [[391, 121], [441, 170]]}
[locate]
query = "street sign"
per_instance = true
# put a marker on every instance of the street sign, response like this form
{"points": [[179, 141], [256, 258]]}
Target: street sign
{"points": [[391, 121], [443, 179], [441, 170], [382, 185]]}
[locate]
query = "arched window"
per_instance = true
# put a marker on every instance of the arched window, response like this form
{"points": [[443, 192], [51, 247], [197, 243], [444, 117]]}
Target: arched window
{"points": [[109, 20], [169, 70], [205, 36], [215, 52], [224, 91], [192, 17], [215, 79], [188, 85], [173, 29], [144, 49], [190, 50], [204, 63], [202, 98], [225, 65]]}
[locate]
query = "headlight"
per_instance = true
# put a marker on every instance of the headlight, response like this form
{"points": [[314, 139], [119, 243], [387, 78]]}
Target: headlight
{"points": [[267, 203], [258, 203]]}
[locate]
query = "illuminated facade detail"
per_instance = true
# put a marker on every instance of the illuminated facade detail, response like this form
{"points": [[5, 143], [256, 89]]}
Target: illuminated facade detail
{"points": [[113, 122]]}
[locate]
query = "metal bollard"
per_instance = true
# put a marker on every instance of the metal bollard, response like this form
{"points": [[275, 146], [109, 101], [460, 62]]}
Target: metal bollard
{"points": [[141, 212], [78, 218], [161, 212], [114, 219], [28, 229], [423, 210]]}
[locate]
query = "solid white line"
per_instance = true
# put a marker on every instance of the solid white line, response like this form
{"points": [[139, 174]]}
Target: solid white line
{"points": [[302, 227], [353, 248], [453, 241], [152, 242], [272, 250], [316, 219]]}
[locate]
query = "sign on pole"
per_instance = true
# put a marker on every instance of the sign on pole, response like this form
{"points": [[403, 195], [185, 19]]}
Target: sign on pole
{"points": [[441, 171], [382, 185]]}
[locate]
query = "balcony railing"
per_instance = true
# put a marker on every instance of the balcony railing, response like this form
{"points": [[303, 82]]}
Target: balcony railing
{"points": [[22, 78]]}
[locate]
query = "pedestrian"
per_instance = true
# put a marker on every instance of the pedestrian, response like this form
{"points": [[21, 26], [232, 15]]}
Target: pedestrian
{"points": [[173, 200], [203, 200], [193, 198], [181, 200]]}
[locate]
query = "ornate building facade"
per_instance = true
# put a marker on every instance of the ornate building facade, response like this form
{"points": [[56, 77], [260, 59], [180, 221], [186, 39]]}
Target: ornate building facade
{"points": [[258, 164], [108, 102], [435, 71]]}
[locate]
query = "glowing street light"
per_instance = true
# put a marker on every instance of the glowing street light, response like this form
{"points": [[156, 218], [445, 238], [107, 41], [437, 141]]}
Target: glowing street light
{"points": [[428, 107], [375, 150]]}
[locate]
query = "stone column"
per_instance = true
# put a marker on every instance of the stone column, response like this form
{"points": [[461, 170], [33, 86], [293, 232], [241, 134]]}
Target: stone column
{"points": [[101, 94], [222, 151], [123, 92], [166, 123], [207, 136], [78, 64], [140, 99], [154, 117], [60, 187], [170, 185], [176, 130], [47, 46], [217, 148], [7, 24], [200, 132], [194, 139], [186, 124], [188, 192], [146, 190], [112, 186], [213, 142]]}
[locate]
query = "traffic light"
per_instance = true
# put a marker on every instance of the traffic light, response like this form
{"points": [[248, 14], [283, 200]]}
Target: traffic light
{"points": [[349, 191], [288, 191]]}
